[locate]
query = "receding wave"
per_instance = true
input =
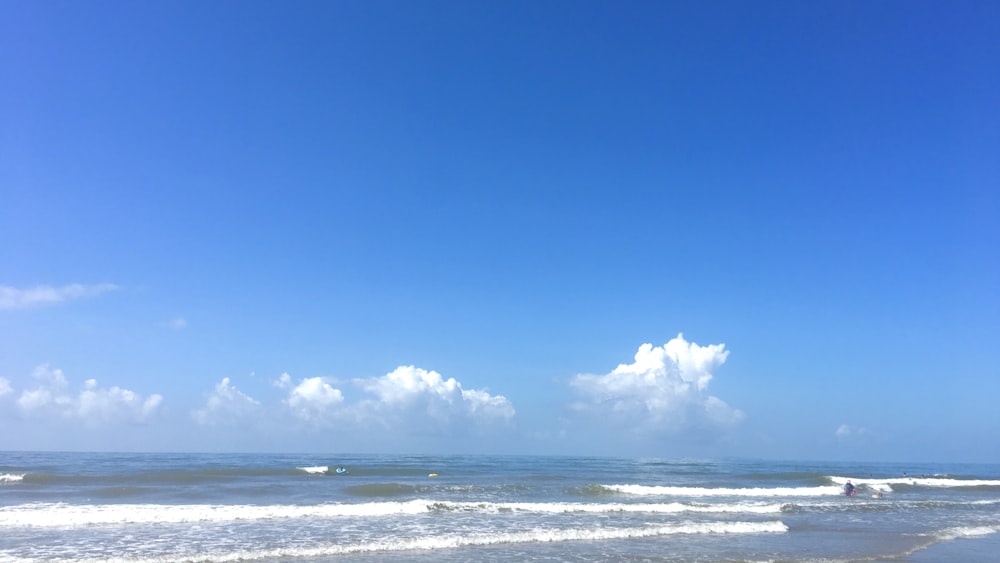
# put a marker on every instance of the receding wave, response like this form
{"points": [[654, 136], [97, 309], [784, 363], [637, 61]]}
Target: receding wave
{"points": [[59, 515], [654, 490], [486, 539]]}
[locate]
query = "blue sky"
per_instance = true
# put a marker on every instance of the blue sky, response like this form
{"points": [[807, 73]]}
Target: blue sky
{"points": [[453, 226]]}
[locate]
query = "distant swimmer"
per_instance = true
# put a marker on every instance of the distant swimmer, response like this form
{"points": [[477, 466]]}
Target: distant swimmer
{"points": [[849, 489]]}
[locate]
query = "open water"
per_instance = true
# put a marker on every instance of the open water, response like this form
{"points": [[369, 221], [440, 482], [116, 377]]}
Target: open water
{"points": [[200, 507]]}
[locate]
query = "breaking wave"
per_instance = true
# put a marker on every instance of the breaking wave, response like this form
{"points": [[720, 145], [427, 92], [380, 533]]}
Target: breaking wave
{"points": [[885, 485], [653, 490], [11, 478], [59, 515]]}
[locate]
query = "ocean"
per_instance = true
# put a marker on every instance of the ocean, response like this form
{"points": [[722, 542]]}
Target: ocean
{"points": [[268, 507]]}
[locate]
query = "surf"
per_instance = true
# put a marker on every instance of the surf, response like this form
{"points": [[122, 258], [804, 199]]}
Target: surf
{"points": [[456, 541], [661, 490]]}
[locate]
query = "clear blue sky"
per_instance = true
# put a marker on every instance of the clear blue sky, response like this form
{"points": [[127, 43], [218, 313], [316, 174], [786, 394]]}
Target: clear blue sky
{"points": [[429, 226]]}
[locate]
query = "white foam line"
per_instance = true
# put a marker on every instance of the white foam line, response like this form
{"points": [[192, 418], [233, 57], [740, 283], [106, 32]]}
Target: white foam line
{"points": [[965, 532], [457, 541], [648, 490], [557, 507], [67, 515], [60, 515], [11, 477], [919, 481], [315, 469]]}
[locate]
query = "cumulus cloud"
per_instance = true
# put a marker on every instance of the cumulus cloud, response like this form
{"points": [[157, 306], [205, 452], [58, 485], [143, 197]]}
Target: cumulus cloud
{"points": [[283, 382], [95, 403], [406, 398], [14, 298], [663, 390], [5, 388], [226, 405], [92, 405], [409, 392], [313, 398]]}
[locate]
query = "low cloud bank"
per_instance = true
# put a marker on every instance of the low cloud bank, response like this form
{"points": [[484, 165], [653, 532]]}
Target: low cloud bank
{"points": [[664, 390], [406, 398], [226, 405], [409, 391], [92, 405]]}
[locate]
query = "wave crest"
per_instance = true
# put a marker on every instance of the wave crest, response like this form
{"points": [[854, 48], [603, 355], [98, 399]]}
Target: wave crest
{"points": [[654, 490]]}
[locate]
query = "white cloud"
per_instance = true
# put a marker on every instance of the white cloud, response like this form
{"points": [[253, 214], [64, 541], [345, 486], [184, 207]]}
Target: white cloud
{"points": [[177, 323], [409, 393], [226, 405], [402, 400], [848, 433], [5, 388], [663, 390], [13, 298], [283, 382], [313, 398], [92, 405], [105, 404]]}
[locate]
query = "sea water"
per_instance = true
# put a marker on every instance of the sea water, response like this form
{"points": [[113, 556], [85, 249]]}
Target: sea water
{"points": [[201, 507]]}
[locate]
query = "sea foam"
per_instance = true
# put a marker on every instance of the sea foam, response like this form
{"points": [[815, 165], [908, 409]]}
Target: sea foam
{"points": [[59, 515], [570, 507], [965, 532], [451, 541], [653, 490], [885, 485]]}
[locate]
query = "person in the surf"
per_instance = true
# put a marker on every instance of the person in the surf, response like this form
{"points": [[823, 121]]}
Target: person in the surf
{"points": [[849, 488]]}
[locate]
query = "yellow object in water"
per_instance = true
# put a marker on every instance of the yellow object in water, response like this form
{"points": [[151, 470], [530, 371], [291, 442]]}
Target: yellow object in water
{"points": [[432, 474]]}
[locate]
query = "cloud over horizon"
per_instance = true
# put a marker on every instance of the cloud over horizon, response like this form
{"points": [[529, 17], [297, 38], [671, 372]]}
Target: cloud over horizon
{"points": [[313, 398], [664, 390], [41, 295], [402, 400], [226, 404], [93, 405], [409, 392]]}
